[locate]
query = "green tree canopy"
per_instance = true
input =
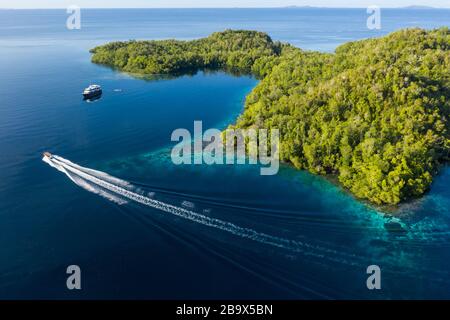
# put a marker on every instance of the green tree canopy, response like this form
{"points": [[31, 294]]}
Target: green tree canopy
{"points": [[375, 112]]}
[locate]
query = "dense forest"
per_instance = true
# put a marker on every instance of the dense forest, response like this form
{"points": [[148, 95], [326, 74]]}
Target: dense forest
{"points": [[230, 50], [375, 113]]}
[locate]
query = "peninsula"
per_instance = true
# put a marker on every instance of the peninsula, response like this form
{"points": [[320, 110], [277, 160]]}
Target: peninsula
{"points": [[375, 113]]}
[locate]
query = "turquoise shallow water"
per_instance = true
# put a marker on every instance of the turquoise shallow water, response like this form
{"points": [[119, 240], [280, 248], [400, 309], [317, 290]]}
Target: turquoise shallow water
{"points": [[133, 251]]}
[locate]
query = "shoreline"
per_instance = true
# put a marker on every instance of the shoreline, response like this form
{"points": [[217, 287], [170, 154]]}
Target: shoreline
{"points": [[253, 52]]}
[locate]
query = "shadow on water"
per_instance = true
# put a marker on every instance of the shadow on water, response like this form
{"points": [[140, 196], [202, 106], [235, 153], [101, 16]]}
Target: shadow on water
{"points": [[176, 75], [93, 99]]}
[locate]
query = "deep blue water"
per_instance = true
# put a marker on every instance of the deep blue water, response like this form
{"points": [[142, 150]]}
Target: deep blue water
{"points": [[132, 251]]}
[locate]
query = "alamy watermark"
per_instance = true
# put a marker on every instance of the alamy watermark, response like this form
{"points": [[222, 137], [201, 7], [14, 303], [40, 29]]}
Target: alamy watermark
{"points": [[73, 21], [232, 146], [374, 280], [73, 282], [374, 19]]}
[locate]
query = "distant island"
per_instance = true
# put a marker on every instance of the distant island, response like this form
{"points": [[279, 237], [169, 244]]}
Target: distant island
{"points": [[313, 7], [375, 113], [418, 7]]}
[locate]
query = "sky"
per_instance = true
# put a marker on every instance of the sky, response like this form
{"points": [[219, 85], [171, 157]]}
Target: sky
{"points": [[23, 4]]}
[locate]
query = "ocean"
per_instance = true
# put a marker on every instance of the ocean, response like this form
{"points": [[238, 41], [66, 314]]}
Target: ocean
{"points": [[293, 235]]}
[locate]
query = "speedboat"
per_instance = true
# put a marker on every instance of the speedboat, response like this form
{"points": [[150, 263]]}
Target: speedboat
{"points": [[92, 91], [47, 155]]}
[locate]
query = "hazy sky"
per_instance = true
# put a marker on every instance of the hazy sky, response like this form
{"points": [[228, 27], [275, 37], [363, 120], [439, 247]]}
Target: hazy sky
{"points": [[214, 3]]}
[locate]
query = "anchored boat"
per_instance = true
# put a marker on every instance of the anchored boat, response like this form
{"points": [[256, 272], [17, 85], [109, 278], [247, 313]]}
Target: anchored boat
{"points": [[92, 91]]}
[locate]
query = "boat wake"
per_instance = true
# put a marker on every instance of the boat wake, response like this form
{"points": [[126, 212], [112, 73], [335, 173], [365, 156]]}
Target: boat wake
{"points": [[122, 192], [84, 183]]}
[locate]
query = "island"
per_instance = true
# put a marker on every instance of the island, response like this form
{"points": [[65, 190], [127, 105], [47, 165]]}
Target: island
{"points": [[375, 113]]}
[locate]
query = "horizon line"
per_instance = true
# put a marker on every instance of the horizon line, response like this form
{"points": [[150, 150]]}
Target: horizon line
{"points": [[421, 7]]}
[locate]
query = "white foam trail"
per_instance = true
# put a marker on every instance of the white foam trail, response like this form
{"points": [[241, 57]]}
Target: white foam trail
{"points": [[105, 181], [87, 186], [98, 174]]}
